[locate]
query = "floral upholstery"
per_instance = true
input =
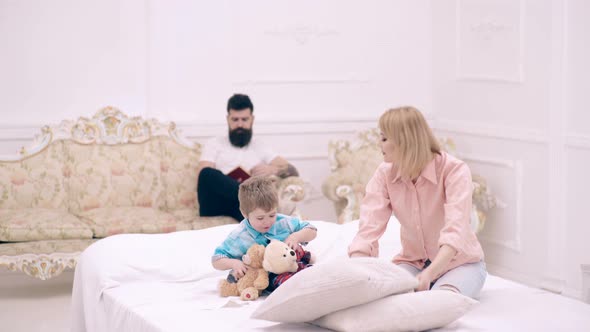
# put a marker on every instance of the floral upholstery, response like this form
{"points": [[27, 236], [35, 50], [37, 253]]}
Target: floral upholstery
{"points": [[178, 166], [35, 181], [45, 247], [114, 176], [92, 178], [206, 222], [192, 217], [187, 215], [32, 224], [116, 220]]}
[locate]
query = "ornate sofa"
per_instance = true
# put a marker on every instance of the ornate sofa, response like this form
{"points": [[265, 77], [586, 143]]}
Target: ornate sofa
{"points": [[90, 178], [353, 163]]}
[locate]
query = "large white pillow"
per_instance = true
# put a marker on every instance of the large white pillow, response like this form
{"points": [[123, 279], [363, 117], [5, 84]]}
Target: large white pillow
{"points": [[333, 285], [401, 312]]}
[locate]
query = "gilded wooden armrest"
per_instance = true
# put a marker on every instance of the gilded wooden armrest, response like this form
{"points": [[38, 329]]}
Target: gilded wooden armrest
{"points": [[347, 193], [291, 191]]}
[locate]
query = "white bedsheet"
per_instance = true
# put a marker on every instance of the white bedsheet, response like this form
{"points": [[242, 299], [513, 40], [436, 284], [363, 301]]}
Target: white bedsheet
{"points": [[165, 282]]}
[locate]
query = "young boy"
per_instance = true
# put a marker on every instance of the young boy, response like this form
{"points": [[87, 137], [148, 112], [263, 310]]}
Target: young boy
{"points": [[258, 203]]}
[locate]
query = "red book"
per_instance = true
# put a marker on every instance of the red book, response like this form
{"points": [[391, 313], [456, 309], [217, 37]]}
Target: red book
{"points": [[239, 174]]}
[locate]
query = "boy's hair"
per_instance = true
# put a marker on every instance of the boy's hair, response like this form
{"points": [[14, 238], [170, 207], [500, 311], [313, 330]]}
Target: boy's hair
{"points": [[258, 192], [412, 137], [239, 102]]}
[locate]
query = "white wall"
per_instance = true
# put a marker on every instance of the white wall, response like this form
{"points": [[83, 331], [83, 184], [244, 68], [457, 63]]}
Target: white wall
{"points": [[64, 58], [510, 84], [315, 70], [577, 140]]}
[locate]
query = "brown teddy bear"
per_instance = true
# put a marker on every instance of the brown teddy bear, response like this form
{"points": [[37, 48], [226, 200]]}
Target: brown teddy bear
{"points": [[251, 285]]}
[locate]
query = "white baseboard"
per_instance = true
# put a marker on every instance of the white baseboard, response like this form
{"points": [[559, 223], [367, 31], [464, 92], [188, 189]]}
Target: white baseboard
{"points": [[552, 285], [506, 273]]}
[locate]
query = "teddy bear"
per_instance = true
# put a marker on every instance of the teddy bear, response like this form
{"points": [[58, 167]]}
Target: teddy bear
{"points": [[250, 286], [282, 262]]}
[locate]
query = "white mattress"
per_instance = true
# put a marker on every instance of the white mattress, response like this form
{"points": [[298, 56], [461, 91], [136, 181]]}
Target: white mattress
{"points": [[165, 283]]}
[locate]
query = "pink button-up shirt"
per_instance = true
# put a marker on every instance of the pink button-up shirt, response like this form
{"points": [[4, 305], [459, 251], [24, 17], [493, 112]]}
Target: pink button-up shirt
{"points": [[432, 212]]}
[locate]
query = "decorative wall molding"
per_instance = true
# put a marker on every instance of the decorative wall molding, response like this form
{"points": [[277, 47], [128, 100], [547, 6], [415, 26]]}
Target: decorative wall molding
{"points": [[19, 132], [578, 141], [351, 80], [490, 40], [275, 127], [516, 166], [557, 212], [301, 33], [479, 129], [506, 163], [284, 127], [306, 46]]}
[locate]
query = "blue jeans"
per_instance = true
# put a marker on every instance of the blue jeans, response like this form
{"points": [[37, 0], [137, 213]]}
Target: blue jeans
{"points": [[467, 278]]}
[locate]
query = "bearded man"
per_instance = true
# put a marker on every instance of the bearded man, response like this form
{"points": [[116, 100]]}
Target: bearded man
{"points": [[228, 160]]}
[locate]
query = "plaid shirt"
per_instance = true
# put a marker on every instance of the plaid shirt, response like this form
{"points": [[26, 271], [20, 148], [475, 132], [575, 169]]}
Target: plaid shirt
{"points": [[244, 236]]}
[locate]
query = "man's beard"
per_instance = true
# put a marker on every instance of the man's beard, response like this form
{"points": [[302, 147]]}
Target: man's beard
{"points": [[240, 137]]}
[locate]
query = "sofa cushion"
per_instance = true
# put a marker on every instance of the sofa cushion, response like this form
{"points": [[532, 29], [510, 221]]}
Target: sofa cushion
{"points": [[35, 181], [192, 217], [206, 222], [115, 220], [179, 173], [114, 175], [34, 224], [185, 215]]}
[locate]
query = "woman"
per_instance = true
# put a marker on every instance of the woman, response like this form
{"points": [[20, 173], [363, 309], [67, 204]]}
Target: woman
{"points": [[429, 192]]}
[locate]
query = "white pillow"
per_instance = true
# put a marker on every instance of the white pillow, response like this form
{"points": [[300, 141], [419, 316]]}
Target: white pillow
{"points": [[333, 285], [402, 312], [389, 243]]}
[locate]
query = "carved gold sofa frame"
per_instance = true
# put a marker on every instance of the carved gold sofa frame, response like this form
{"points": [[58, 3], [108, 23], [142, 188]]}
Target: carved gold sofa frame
{"points": [[353, 162], [89, 178]]}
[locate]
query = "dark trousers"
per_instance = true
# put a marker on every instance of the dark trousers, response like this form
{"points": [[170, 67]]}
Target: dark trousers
{"points": [[218, 194]]}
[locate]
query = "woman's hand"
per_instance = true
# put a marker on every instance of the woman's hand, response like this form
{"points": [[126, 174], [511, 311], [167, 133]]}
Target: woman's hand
{"points": [[292, 241], [358, 254], [424, 279], [239, 268]]}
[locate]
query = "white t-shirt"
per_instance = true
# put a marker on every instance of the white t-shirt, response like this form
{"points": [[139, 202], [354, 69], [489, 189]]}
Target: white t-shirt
{"points": [[227, 157]]}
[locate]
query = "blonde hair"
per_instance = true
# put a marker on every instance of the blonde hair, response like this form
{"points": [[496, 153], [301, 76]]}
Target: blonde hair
{"points": [[257, 192], [412, 137]]}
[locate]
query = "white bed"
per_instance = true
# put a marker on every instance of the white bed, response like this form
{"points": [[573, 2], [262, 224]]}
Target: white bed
{"points": [[165, 282]]}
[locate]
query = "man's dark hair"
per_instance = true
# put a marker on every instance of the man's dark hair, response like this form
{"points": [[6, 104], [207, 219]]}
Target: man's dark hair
{"points": [[239, 102]]}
